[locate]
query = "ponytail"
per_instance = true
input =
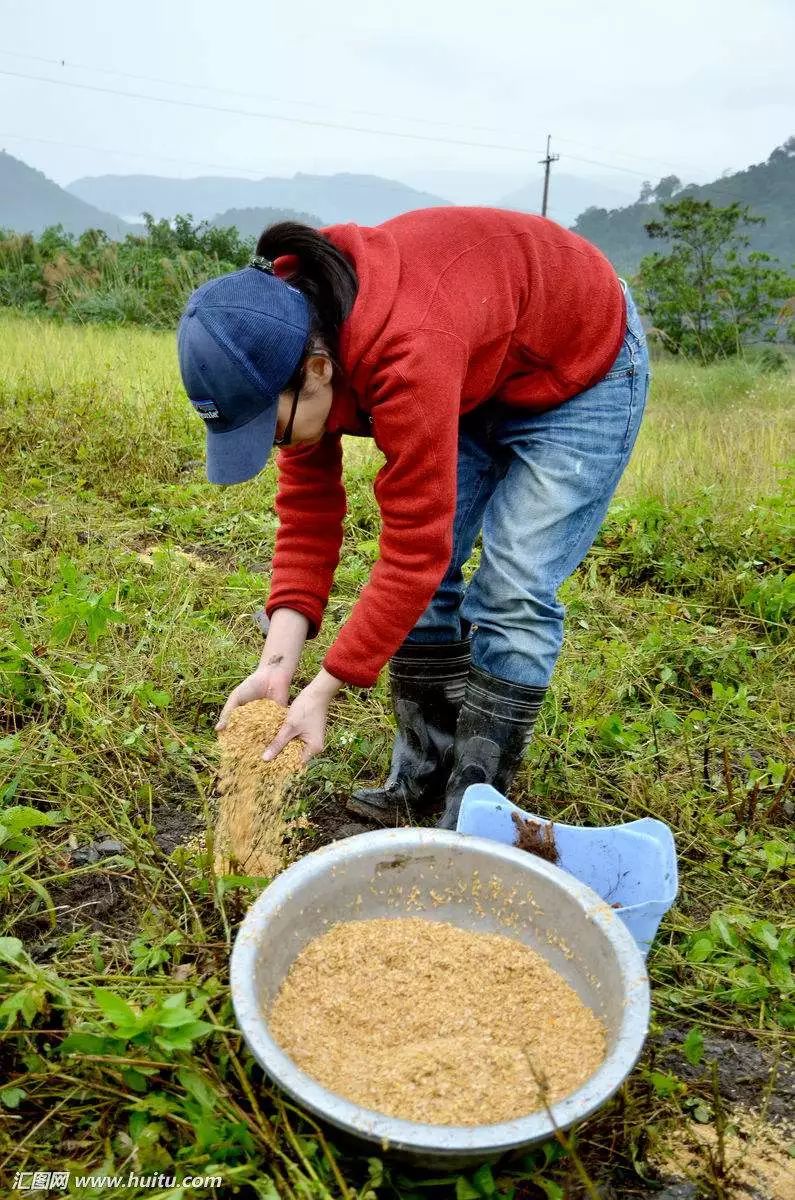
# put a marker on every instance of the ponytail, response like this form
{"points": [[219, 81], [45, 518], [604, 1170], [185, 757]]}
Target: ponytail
{"points": [[320, 271]]}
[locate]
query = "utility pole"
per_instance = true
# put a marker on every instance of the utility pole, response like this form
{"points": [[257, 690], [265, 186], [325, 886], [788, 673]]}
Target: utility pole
{"points": [[547, 162]]}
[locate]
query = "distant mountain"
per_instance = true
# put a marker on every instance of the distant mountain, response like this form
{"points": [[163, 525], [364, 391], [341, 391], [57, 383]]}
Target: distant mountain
{"points": [[366, 199], [767, 188], [568, 195], [29, 202], [465, 187], [250, 222]]}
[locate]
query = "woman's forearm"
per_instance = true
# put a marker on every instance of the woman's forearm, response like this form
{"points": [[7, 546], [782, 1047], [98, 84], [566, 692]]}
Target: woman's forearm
{"points": [[325, 685], [285, 641]]}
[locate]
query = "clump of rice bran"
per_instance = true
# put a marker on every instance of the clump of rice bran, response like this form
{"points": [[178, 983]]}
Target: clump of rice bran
{"points": [[422, 1020], [756, 1155], [250, 828]]}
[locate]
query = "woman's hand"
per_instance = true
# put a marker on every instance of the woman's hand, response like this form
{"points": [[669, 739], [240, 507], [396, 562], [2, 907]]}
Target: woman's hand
{"points": [[266, 682], [272, 678], [306, 717]]}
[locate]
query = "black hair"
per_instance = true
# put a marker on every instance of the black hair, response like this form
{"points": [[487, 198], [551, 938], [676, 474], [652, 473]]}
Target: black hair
{"points": [[325, 276]]}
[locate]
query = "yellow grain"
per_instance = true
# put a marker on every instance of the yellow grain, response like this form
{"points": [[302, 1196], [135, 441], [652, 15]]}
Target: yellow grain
{"points": [[250, 829]]}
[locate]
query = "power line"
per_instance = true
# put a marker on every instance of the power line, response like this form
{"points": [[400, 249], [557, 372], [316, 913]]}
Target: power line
{"points": [[243, 112], [62, 62], [184, 162], [310, 123], [686, 188], [659, 162], [594, 162], [363, 112]]}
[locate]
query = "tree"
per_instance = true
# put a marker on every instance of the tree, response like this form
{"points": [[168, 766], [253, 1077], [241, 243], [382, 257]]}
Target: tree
{"points": [[708, 297], [785, 152], [667, 186], [664, 190]]}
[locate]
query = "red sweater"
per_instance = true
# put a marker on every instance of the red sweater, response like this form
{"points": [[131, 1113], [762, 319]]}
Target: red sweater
{"points": [[455, 306]]}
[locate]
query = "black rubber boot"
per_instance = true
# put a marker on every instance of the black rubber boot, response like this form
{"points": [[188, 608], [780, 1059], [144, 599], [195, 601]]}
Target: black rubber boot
{"points": [[494, 726], [427, 685]]}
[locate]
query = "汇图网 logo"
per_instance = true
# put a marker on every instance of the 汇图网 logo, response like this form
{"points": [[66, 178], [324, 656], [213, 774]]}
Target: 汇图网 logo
{"points": [[28, 1182]]}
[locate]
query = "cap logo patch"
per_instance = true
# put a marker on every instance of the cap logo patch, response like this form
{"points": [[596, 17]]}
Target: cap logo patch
{"points": [[206, 410]]}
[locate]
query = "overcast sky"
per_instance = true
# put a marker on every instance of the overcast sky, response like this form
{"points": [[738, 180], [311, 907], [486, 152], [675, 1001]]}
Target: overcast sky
{"points": [[694, 87]]}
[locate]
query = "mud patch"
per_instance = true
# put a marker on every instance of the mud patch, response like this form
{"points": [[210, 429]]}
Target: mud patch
{"points": [[174, 826], [102, 901], [749, 1073], [329, 821]]}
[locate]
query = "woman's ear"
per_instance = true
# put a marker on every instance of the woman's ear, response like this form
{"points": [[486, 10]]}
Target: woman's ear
{"points": [[318, 370]]}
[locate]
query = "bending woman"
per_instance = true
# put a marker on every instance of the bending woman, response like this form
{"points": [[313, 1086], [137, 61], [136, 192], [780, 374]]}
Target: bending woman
{"points": [[501, 367]]}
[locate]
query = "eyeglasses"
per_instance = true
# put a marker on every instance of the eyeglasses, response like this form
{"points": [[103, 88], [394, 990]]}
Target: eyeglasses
{"points": [[284, 440]]}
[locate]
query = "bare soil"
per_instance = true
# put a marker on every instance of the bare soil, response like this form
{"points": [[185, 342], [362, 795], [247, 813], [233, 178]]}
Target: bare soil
{"points": [[104, 901], [750, 1073], [329, 821], [174, 826]]}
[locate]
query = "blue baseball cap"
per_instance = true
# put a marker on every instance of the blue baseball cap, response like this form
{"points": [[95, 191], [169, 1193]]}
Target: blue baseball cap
{"points": [[240, 341]]}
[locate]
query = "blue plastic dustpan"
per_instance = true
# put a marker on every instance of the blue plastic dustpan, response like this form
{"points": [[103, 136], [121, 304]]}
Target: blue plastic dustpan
{"points": [[631, 866]]}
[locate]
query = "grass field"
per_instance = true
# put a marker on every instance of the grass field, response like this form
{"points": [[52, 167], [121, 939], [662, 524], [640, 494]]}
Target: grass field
{"points": [[127, 586]]}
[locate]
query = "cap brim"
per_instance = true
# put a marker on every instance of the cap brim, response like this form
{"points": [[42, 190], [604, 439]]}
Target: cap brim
{"points": [[236, 455]]}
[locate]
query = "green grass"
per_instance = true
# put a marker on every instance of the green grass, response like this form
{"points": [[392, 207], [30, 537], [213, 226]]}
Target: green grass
{"points": [[126, 588], [143, 280]]}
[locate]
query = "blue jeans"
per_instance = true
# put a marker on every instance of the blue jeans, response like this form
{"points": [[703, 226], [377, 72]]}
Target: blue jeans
{"points": [[538, 485]]}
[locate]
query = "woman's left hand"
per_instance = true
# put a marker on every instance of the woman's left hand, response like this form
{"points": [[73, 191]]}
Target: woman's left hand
{"points": [[306, 717]]}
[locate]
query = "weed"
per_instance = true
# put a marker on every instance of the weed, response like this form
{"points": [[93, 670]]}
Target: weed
{"points": [[748, 962]]}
